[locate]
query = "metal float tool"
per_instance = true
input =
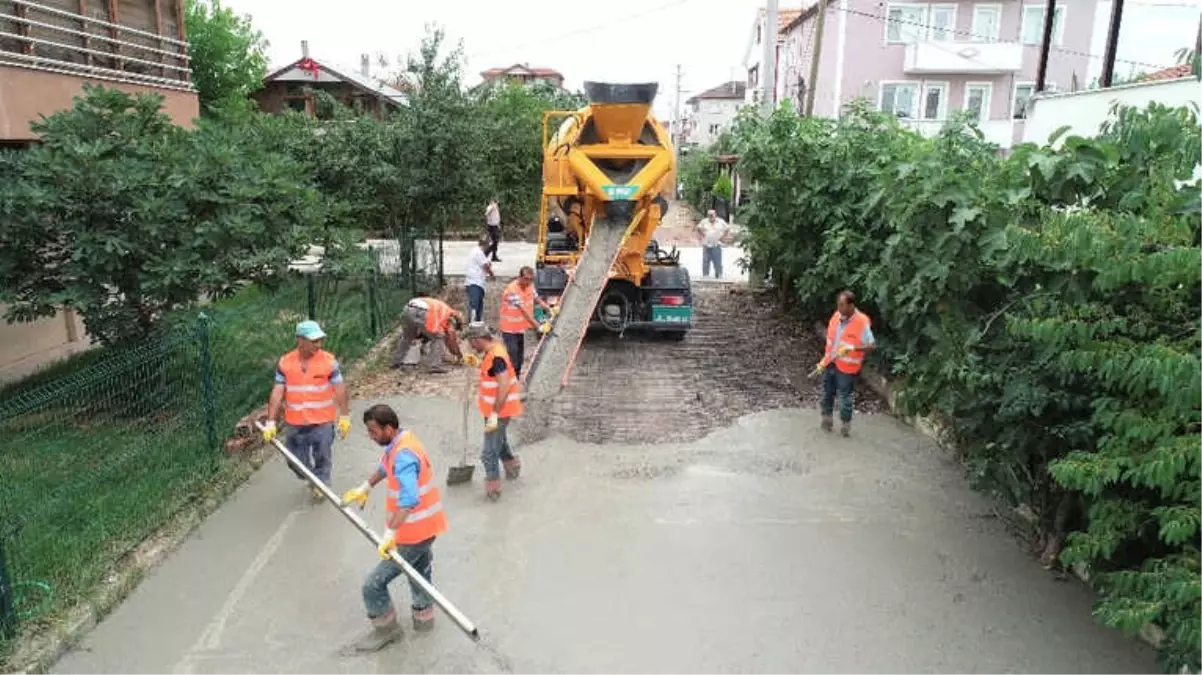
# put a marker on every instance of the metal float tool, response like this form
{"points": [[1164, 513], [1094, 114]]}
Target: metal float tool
{"points": [[465, 624]]}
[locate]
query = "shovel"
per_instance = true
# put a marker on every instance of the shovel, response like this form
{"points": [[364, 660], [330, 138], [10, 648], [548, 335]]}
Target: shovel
{"points": [[461, 474]]}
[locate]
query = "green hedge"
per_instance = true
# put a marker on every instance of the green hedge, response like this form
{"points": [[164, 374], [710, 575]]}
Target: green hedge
{"points": [[1045, 303]]}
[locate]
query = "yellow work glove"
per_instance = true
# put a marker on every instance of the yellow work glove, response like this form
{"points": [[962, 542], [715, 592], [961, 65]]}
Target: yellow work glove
{"points": [[357, 495], [555, 310], [471, 360], [387, 546], [545, 327], [491, 423], [269, 431], [344, 426]]}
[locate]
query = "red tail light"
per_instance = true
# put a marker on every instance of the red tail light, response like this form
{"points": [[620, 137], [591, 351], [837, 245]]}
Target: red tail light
{"points": [[671, 299]]}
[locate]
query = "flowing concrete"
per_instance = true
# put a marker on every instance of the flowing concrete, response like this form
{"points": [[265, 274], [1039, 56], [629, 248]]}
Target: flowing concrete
{"points": [[766, 546]]}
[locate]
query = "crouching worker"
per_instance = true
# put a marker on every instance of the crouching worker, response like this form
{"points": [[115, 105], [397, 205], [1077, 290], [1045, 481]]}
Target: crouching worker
{"points": [[433, 320], [415, 518], [499, 399]]}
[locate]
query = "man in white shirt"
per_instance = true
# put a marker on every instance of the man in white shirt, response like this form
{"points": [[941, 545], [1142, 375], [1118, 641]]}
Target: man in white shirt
{"points": [[492, 216], [714, 232], [478, 268]]}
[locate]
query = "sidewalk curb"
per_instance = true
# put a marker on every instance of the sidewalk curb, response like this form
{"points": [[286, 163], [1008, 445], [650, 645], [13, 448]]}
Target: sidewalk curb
{"points": [[41, 648], [938, 431]]}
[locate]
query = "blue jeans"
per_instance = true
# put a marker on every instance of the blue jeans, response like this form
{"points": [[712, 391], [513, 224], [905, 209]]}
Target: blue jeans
{"points": [[375, 587], [711, 255], [496, 448], [834, 382], [313, 445], [475, 303]]}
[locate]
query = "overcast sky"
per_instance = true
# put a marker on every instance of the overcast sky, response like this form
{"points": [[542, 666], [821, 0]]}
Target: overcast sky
{"points": [[617, 40]]}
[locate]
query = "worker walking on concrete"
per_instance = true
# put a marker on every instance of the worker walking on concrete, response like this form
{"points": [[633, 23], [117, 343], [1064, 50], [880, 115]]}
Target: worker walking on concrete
{"points": [[499, 400], [434, 321], [415, 519], [517, 316], [309, 384], [848, 340]]}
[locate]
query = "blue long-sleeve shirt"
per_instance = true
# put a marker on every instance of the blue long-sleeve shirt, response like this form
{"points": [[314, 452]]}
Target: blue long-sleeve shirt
{"points": [[405, 466]]}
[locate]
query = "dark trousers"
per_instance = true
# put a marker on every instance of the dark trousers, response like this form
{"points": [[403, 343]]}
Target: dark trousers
{"points": [[515, 344], [835, 382], [475, 303], [313, 446], [494, 235], [375, 588]]}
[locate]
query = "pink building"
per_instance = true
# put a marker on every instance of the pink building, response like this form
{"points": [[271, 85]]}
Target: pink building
{"points": [[926, 60]]}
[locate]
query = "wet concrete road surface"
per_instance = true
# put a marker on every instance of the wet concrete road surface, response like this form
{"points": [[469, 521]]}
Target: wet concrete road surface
{"points": [[765, 546]]}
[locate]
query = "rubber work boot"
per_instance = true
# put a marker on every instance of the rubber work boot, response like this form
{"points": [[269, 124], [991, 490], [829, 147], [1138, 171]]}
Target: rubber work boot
{"points": [[317, 497], [513, 468], [845, 429], [492, 489], [828, 423], [423, 619], [384, 631]]}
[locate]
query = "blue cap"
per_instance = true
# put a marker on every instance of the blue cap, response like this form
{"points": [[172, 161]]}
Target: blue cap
{"points": [[309, 330]]}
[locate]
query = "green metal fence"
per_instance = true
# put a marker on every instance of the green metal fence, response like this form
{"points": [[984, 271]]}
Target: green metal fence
{"points": [[97, 458]]}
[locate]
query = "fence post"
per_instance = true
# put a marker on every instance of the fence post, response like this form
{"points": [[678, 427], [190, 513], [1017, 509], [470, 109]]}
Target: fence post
{"points": [[311, 286], [371, 302], [206, 370], [442, 235], [8, 611]]}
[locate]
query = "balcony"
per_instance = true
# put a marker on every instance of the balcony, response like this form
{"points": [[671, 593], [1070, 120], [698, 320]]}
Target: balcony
{"points": [[145, 46], [963, 58]]}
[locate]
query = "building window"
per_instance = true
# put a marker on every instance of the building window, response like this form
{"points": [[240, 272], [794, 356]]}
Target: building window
{"points": [[906, 24], [986, 22], [934, 101], [899, 98], [976, 100], [1032, 28], [1022, 97], [943, 23], [753, 76], [714, 129]]}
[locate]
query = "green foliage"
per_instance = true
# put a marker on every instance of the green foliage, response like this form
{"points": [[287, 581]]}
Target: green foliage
{"points": [[123, 216], [510, 118], [723, 187], [228, 55], [1046, 304]]}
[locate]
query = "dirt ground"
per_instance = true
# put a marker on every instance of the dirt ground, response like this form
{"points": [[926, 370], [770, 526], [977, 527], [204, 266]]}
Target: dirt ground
{"points": [[742, 356]]}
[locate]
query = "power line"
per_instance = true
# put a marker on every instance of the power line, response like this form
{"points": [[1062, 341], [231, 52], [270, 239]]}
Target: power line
{"points": [[986, 38]]}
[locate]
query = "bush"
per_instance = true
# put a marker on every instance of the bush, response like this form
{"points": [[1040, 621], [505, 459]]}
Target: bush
{"points": [[1045, 304]]}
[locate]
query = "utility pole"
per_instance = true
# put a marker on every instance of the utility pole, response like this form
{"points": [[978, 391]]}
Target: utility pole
{"points": [[768, 65], [677, 128], [816, 53], [1112, 44], [1041, 74]]}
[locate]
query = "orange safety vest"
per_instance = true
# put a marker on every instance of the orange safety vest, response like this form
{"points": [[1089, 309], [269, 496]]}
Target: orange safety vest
{"points": [[853, 333], [427, 518], [308, 393], [512, 320], [489, 386], [438, 314]]}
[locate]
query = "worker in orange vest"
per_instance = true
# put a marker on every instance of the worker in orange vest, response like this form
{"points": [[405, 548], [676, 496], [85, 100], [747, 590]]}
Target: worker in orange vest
{"points": [[309, 385], [499, 399], [517, 316], [848, 340], [435, 321], [415, 519]]}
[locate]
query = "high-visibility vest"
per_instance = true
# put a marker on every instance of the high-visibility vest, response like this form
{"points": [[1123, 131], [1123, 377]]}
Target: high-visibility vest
{"points": [[486, 401], [308, 394], [438, 314], [853, 333], [427, 518], [512, 320]]}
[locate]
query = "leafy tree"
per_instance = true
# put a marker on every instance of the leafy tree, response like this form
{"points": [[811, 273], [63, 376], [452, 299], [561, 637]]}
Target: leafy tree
{"points": [[228, 56], [124, 216]]}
